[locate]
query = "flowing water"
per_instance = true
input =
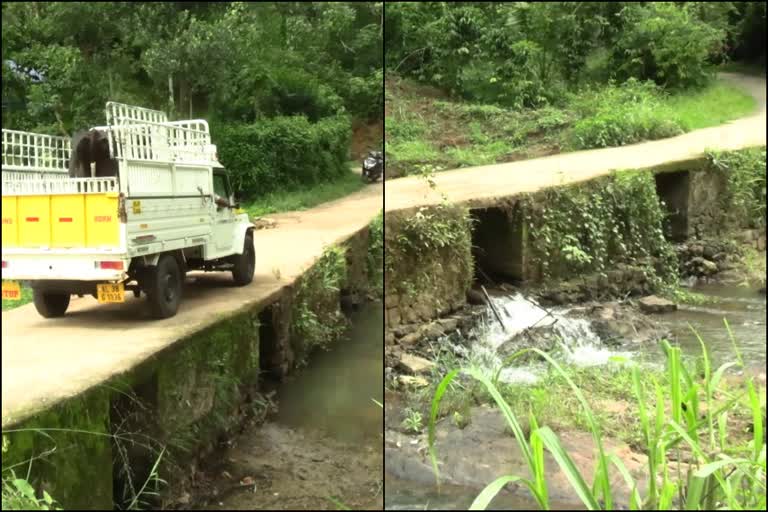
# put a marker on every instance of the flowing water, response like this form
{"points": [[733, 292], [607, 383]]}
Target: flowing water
{"points": [[324, 446], [743, 308]]}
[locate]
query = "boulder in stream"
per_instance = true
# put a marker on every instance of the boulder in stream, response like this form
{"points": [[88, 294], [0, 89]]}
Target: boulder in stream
{"points": [[415, 364], [654, 304]]}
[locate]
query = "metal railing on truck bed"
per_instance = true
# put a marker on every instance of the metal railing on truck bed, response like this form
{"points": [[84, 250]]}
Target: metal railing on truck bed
{"points": [[29, 155]]}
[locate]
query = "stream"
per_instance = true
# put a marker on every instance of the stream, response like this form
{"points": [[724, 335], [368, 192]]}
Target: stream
{"points": [[323, 448], [744, 308]]}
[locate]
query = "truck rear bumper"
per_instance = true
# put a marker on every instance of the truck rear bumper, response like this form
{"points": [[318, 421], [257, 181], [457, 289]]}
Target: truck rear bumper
{"points": [[65, 268]]}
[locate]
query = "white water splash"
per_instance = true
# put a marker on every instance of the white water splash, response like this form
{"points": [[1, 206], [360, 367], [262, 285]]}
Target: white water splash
{"points": [[580, 343]]}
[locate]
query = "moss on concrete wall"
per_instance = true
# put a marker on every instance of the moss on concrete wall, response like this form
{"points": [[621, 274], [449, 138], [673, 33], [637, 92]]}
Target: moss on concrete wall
{"points": [[67, 452], [428, 263]]}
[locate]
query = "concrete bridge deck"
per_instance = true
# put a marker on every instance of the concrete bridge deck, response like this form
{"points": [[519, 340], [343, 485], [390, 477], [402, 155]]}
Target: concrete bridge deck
{"points": [[47, 361], [486, 184]]}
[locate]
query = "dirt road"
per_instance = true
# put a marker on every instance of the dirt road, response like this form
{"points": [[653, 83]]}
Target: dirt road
{"points": [[45, 361], [484, 184]]}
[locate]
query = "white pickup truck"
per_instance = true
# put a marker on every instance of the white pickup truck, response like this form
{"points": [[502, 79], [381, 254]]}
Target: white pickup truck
{"points": [[170, 209]]}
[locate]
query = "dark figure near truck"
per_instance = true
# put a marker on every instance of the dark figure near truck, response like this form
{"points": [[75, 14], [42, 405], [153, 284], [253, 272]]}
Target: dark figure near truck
{"points": [[87, 148]]}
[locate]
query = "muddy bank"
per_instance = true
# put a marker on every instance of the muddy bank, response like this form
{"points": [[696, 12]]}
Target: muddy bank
{"points": [[280, 468]]}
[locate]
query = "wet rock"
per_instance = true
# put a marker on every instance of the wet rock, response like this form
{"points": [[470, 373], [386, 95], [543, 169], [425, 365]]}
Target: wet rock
{"points": [[475, 297], [448, 324], [415, 364], [409, 381], [402, 330], [606, 313], [654, 304], [701, 267], [410, 339], [393, 317]]}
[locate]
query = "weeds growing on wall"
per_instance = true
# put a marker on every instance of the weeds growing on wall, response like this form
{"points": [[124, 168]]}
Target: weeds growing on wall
{"points": [[590, 228], [18, 493], [413, 241], [317, 319], [745, 196], [375, 259]]}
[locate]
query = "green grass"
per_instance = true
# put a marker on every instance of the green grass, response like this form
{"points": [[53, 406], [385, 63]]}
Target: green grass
{"points": [[450, 134], [713, 105], [26, 298], [412, 150], [744, 68], [292, 200]]}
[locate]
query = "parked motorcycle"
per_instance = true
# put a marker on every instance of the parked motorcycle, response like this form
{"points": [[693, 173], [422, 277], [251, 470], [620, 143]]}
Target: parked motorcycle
{"points": [[373, 166]]}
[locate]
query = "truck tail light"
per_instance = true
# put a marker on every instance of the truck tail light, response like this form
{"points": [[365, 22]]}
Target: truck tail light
{"points": [[5, 264], [112, 265]]}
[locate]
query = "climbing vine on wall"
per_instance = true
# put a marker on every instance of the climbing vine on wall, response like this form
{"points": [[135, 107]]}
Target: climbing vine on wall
{"points": [[744, 198], [317, 319], [590, 228], [414, 240]]}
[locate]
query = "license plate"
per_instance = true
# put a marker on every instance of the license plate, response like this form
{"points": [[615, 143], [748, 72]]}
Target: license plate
{"points": [[11, 290], [110, 292]]}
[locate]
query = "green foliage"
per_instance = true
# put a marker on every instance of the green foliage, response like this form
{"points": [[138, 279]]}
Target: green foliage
{"points": [[524, 54], [451, 134], [668, 44], [241, 61], [709, 106], [413, 421], [18, 494], [303, 198], [283, 152], [591, 228], [621, 114], [429, 250], [375, 257], [745, 194], [750, 32], [317, 320]]}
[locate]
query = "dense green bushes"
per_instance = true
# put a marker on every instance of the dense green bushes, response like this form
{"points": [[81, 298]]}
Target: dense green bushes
{"points": [[524, 54], [621, 114], [283, 152], [745, 196], [593, 227], [667, 44], [236, 61]]}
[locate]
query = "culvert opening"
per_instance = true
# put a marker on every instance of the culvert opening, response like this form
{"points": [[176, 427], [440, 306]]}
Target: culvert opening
{"points": [[269, 353], [672, 188], [497, 244]]}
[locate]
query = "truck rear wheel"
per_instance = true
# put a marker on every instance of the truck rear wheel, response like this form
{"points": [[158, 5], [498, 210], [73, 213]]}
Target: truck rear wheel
{"points": [[245, 264], [50, 304], [163, 286]]}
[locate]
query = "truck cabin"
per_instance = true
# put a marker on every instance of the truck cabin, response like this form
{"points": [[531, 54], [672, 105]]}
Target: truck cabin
{"points": [[222, 190]]}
